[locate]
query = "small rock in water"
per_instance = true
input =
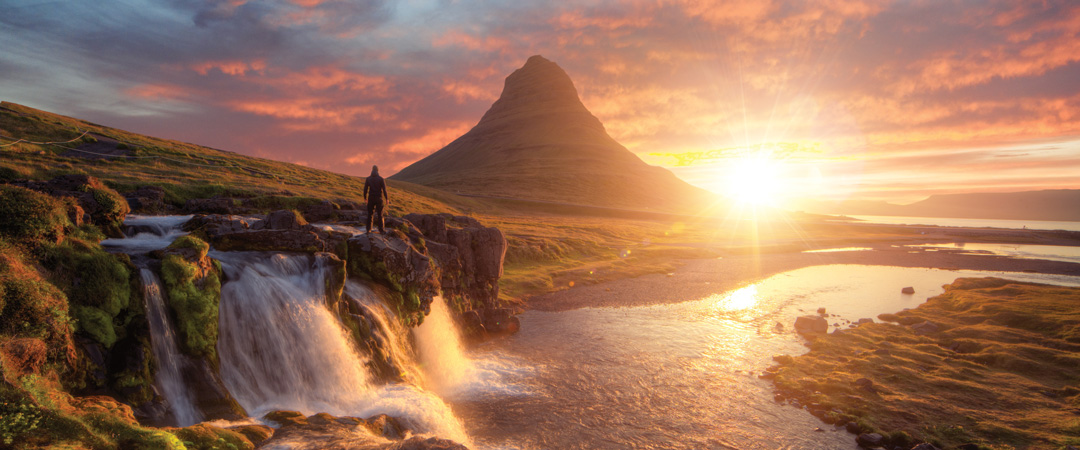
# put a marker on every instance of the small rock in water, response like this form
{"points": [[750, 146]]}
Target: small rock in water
{"points": [[852, 427], [907, 290], [821, 310], [870, 440], [819, 430], [811, 324], [779, 326]]}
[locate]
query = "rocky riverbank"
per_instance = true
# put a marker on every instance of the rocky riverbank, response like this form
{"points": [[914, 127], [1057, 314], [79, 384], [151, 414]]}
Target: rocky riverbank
{"points": [[990, 363]]}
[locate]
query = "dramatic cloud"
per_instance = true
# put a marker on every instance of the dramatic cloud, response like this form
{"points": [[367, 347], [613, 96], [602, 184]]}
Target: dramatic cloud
{"points": [[896, 99]]}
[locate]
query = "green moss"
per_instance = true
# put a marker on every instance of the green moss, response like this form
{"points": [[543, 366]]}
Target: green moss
{"points": [[98, 286], [194, 304], [192, 242], [95, 323], [113, 210], [30, 216], [206, 437]]}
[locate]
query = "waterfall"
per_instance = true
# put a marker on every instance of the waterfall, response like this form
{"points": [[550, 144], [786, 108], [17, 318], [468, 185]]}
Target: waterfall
{"points": [[390, 334], [281, 348], [169, 376], [442, 356]]}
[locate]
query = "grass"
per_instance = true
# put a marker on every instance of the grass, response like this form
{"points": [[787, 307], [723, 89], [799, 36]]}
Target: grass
{"points": [[1001, 371]]}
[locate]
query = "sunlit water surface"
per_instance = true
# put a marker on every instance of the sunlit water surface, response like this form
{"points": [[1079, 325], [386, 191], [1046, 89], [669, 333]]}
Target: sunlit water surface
{"points": [[1023, 251], [681, 376], [976, 223]]}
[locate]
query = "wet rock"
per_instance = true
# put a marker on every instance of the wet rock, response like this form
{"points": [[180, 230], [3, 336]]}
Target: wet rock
{"points": [[270, 240], [501, 321], [924, 328], [257, 434], [852, 427], [907, 290], [865, 384], [386, 426], [431, 443], [215, 205], [865, 320], [811, 324], [870, 440], [321, 211], [778, 327], [284, 219], [395, 262], [147, 200], [821, 311]]}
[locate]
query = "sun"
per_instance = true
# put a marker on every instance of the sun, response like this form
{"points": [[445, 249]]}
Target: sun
{"points": [[755, 180]]}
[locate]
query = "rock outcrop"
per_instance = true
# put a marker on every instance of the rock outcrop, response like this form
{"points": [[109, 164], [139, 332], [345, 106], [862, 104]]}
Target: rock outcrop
{"points": [[98, 203], [421, 256], [329, 432]]}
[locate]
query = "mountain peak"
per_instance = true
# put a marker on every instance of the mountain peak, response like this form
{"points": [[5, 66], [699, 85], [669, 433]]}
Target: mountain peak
{"points": [[539, 142], [539, 88]]}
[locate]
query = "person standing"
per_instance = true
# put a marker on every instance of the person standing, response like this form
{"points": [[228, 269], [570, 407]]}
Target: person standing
{"points": [[377, 198]]}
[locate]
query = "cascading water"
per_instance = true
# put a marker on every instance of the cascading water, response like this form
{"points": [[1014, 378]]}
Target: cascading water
{"points": [[281, 348], [388, 332], [441, 353], [169, 359], [145, 234]]}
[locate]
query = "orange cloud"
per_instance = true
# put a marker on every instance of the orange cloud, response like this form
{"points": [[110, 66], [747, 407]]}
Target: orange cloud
{"points": [[457, 38], [158, 91], [431, 141], [235, 68], [311, 109]]}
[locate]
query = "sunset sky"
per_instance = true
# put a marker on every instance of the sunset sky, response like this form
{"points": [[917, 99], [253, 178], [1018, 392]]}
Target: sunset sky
{"points": [[839, 98]]}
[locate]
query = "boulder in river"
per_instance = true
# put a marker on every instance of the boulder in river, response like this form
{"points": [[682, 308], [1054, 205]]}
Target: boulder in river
{"points": [[870, 440], [907, 290], [811, 324]]}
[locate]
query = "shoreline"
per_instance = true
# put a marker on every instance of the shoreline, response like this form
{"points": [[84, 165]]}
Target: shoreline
{"points": [[699, 278]]}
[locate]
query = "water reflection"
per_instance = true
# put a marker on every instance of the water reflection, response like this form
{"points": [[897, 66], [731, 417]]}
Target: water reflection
{"points": [[683, 376]]}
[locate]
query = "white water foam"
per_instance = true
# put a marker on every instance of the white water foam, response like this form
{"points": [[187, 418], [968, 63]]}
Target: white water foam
{"points": [[281, 348], [442, 356]]}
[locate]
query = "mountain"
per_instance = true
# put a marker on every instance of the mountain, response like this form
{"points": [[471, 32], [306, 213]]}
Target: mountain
{"points": [[1060, 204], [539, 142]]}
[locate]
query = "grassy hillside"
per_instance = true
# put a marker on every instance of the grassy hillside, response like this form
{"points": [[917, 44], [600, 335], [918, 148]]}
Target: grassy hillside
{"points": [[184, 170]]}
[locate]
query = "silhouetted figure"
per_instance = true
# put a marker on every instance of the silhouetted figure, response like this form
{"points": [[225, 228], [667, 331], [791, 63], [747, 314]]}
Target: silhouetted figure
{"points": [[376, 196]]}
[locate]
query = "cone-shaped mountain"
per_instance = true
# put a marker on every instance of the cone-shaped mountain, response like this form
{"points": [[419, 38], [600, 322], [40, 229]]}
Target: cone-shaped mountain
{"points": [[539, 142]]}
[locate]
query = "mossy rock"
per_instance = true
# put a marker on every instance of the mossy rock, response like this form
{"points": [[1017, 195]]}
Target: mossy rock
{"points": [[207, 437], [31, 216], [193, 295], [98, 285]]}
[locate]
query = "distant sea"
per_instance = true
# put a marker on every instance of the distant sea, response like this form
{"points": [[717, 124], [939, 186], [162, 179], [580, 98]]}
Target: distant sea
{"points": [[971, 223]]}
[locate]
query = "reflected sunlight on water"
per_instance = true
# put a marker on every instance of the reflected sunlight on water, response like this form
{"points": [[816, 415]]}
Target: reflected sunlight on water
{"points": [[683, 376], [738, 299]]}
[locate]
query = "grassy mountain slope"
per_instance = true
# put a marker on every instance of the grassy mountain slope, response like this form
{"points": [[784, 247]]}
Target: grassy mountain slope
{"points": [[539, 142]]}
